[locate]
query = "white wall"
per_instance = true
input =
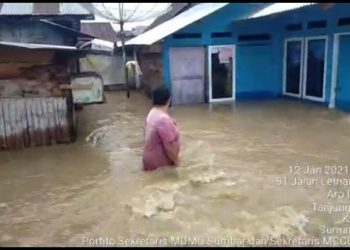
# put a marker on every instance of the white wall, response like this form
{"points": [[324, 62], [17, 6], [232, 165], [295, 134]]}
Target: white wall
{"points": [[109, 67]]}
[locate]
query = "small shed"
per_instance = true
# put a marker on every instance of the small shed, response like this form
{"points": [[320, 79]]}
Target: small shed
{"points": [[34, 110], [38, 62], [110, 67]]}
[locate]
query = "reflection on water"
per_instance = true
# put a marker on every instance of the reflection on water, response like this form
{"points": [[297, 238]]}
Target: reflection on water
{"points": [[225, 185]]}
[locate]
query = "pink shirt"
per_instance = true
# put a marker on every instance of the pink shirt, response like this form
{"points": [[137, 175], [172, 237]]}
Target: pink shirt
{"points": [[160, 130]]}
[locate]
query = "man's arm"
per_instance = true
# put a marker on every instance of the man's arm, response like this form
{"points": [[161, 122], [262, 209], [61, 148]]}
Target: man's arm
{"points": [[169, 136], [172, 152]]}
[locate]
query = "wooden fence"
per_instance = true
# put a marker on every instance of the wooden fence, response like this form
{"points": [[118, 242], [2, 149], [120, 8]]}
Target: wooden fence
{"points": [[30, 122]]}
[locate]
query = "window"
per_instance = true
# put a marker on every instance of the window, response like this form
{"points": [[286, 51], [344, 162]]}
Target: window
{"points": [[187, 35], [317, 24], [294, 27], [221, 34], [254, 44], [254, 37], [344, 21]]}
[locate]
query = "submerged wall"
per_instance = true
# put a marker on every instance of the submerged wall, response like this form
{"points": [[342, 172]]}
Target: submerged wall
{"points": [[259, 63], [317, 13], [219, 29], [31, 122], [34, 111]]}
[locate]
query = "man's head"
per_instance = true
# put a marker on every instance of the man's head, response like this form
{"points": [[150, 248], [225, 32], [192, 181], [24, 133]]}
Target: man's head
{"points": [[161, 96]]}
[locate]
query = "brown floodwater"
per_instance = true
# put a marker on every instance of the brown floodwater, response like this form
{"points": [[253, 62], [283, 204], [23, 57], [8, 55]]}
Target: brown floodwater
{"points": [[228, 189]]}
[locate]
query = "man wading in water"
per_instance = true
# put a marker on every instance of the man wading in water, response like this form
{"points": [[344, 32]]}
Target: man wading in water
{"points": [[162, 144]]}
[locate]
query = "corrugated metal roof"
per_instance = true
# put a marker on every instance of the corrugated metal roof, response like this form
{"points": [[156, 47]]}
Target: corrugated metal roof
{"points": [[16, 8], [8, 9], [176, 8], [37, 46], [66, 29], [46, 8], [178, 22], [277, 8], [103, 31], [73, 9]]}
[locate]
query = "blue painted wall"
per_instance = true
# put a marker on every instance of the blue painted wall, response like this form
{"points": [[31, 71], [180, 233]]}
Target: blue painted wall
{"points": [[315, 13], [259, 65], [219, 21], [254, 81], [258, 61], [343, 78]]}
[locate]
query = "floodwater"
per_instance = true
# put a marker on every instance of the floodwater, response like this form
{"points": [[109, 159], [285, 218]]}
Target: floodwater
{"points": [[225, 192]]}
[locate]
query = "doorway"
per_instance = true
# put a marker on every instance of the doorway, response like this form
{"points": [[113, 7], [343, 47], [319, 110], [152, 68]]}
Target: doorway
{"points": [[187, 75], [305, 68], [221, 70], [340, 74]]}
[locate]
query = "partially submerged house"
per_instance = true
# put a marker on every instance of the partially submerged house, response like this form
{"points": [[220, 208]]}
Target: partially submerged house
{"points": [[38, 73], [229, 51]]}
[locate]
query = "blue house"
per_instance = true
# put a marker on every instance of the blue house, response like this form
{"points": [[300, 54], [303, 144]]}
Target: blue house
{"points": [[230, 51]]}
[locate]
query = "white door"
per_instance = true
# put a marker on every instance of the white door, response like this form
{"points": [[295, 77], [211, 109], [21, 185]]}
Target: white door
{"points": [[293, 62], [304, 72], [221, 70], [187, 75], [315, 68]]}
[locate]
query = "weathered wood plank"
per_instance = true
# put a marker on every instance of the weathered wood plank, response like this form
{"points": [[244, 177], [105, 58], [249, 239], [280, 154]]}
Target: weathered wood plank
{"points": [[64, 120], [2, 129], [30, 121], [51, 120], [61, 119], [59, 130], [24, 120], [18, 124], [36, 126], [46, 130], [56, 119], [41, 121], [7, 122]]}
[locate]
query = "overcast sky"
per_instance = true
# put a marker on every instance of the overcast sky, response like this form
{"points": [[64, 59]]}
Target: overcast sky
{"points": [[148, 9]]}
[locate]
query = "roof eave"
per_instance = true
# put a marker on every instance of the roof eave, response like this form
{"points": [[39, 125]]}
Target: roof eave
{"points": [[200, 8], [80, 16]]}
